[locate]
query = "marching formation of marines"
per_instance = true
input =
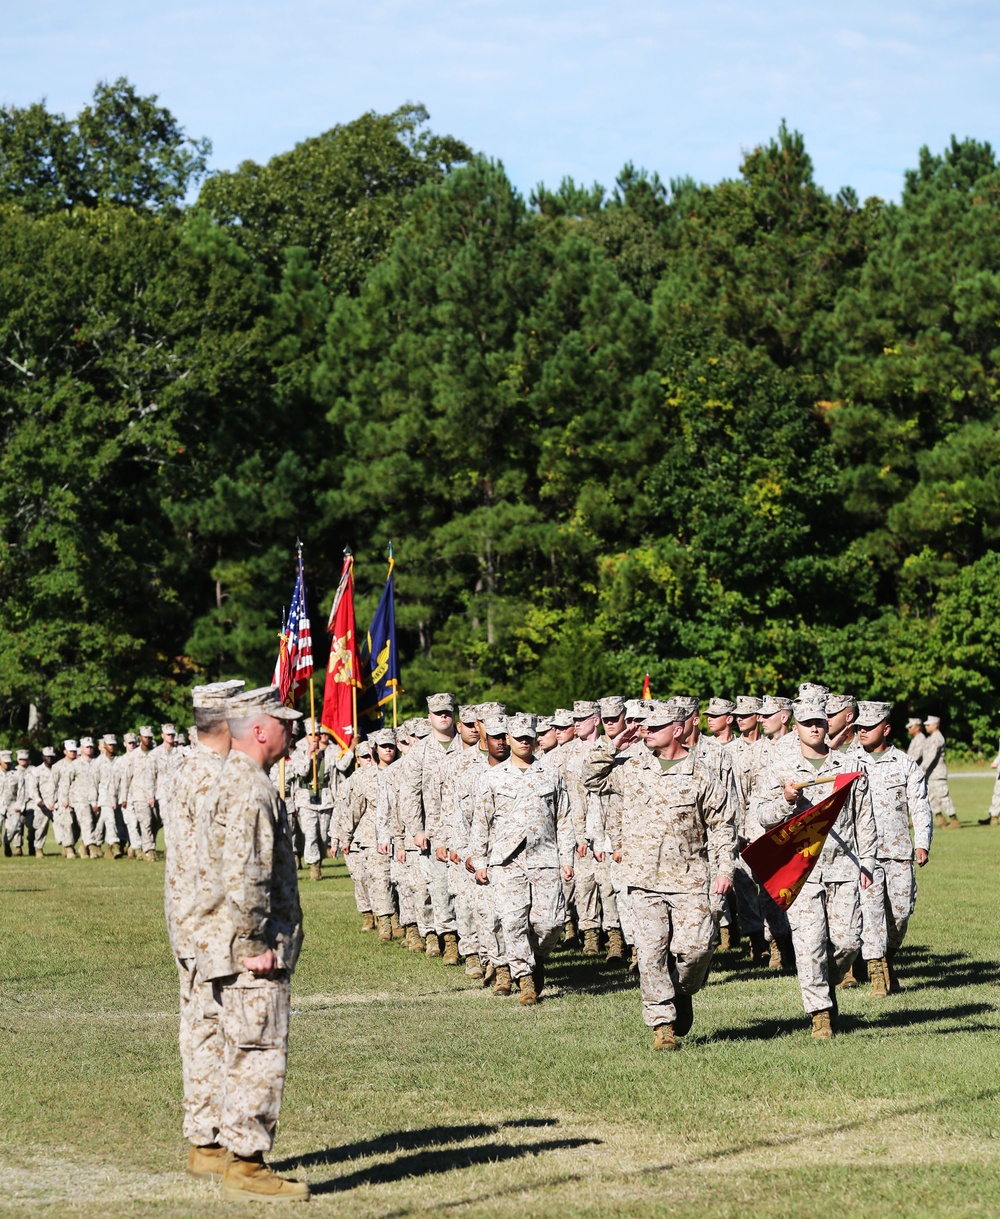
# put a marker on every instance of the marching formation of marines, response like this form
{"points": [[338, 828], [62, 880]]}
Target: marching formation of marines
{"points": [[484, 839]]}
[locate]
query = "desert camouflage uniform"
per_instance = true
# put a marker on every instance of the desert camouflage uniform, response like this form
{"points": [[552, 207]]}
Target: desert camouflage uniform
{"points": [[13, 794], [759, 914], [200, 1045], [522, 833], [82, 797], [898, 793], [123, 766], [421, 790], [415, 907], [42, 803], [676, 825], [566, 758], [364, 834], [719, 762], [62, 816], [311, 806], [106, 774], [141, 791], [936, 769], [915, 749], [165, 763], [471, 908], [248, 902], [825, 917]]}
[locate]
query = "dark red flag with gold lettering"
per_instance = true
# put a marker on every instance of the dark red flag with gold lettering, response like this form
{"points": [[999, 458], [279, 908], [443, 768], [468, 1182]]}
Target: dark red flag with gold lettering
{"points": [[782, 857]]}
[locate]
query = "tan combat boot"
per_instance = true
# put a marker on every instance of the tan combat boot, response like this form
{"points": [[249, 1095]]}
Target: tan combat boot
{"points": [[894, 987], [384, 929], [151, 857], [432, 945], [849, 981], [591, 942], [633, 965], [315, 871], [116, 851], [39, 853], [208, 1162], [878, 971], [616, 945], [725, 939], [251, 1178], [94, 851], [502, 985], [107, 851], [367, 921], [16, 849], [529, 996], [450, 956], [473, 968], [413, 941], [569, 933], [81, 850], [952, 823], [822, 1028], [664, 1039], [940, 820], [398, 930], [68, 853]]}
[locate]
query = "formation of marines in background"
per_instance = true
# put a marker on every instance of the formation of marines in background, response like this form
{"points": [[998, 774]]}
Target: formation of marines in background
{"points": [[483, 839]]}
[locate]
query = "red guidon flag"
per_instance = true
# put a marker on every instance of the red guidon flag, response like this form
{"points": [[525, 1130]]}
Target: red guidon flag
{"points": [[645, 688], [782, 857], [343, 670]]}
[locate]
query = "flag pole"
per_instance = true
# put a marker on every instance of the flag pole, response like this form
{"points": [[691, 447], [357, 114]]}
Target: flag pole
{"points": [[392, 564]]}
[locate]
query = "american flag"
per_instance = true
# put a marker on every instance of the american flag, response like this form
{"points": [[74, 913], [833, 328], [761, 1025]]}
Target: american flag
{"points": [[294, 665]]}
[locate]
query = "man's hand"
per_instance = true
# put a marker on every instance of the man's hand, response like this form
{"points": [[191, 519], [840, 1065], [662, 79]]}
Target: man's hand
{"points": [[384, 848], [401, 856], [921, 856], [441, 854], [421, 841], [263, 966], [599, 856], [626, 737], [617, 856], [568, 873], [790, 792], [482, 876], [581, 849], [722, 884], [866, 879], [454, 857], [470, 866]]}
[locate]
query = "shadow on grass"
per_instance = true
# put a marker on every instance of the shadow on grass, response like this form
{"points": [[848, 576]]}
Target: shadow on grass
{"points": [[428, 1156], [409, 1140], [848, 1022], [579, 975], [920, 968]]}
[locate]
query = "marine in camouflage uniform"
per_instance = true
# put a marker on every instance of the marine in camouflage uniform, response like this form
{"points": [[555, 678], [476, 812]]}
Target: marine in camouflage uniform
{"points": [[62, 816], [43, 800], [142, 793], [521, 836], [676, 824], [364, 836], [421, 789], [567, 759], [200, 1045], [248, 935], [107, 774], [81, 795], [12, 798], [899, 796], [936, 769], [123, 765], [165, 759], [825, 917]]}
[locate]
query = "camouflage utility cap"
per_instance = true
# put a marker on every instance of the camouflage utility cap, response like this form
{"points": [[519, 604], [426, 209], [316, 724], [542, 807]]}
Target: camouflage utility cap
{"points": [[440, 703], [809, 709], [562, 718], [611, 708], [720, 706], [522, 725], [771, 704], [870, 714], [217, 694], [748, 704], [665, 712], [584, 707], [263, 701], [496, 725], [838, 702]]}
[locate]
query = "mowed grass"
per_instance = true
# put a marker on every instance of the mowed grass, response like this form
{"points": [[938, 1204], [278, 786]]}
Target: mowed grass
{"points": [[412, 1092]]}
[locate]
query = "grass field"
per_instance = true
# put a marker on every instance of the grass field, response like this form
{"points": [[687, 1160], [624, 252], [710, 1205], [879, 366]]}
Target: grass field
{"points": [[410, 1092]]}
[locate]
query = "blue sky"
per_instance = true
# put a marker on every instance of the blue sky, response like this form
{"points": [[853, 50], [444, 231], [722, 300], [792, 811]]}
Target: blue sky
{"points": [[550, 88]]}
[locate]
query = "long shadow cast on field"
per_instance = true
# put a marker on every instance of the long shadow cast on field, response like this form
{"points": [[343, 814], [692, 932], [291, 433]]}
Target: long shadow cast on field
{"points": [[427, 1155], [410, 1140], [588, 976], [847, 1022], [920, 968]]}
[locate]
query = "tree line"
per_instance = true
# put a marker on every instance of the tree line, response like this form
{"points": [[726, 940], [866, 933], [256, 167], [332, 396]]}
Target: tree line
{"points": [[733, 434]]}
